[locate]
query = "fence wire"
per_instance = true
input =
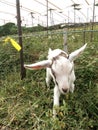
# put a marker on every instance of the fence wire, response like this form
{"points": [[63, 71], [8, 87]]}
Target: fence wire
{"points": [[55, 39], [36, 45]]}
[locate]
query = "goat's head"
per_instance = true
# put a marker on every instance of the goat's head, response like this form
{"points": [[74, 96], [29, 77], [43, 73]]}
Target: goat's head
{"points": [[61, 67]]}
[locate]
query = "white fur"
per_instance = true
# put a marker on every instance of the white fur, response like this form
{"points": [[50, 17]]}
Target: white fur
{"points": [[60, 67]]}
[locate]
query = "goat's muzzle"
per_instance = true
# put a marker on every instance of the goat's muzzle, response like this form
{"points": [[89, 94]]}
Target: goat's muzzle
{"points": [[65, 90]]}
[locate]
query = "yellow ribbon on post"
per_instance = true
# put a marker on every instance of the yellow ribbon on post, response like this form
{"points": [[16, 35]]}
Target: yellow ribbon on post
{"points": [[14, 43]]}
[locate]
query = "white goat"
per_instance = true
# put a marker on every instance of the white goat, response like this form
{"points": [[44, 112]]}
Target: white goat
{"points": [[60, 67]]}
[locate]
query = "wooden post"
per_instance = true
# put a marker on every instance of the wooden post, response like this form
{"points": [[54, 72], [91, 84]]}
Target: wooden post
{"points": [[23, 71]]}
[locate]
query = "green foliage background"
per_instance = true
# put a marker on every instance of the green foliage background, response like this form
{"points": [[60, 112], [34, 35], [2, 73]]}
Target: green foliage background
{"points": [[27, 104]]}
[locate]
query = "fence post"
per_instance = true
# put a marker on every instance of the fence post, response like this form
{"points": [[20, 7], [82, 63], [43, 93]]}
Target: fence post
{"points": [[23, 71], [47, 17], [65, 40], [92, 23], [84, 33]]}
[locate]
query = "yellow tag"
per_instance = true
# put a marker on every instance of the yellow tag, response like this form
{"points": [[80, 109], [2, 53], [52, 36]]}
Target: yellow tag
{"points": [[7, 39], [14, 43]]}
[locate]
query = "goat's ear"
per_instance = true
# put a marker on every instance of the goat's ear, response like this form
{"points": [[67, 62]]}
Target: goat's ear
{"points": [[76, 53], [39, 65], [49, 51]]}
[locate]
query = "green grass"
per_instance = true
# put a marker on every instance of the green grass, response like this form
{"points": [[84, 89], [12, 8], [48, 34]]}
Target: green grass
{"points": [[27, 104]]}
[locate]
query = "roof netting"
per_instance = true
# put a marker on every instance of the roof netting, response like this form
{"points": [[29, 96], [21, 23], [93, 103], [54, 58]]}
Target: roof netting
{"points": [[34, 12]]}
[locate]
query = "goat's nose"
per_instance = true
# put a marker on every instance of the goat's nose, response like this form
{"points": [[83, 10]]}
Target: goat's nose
{"points": [[64, 90]]}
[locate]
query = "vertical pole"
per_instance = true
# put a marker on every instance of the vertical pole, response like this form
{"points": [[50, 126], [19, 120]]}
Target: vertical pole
{"points": [[68, 19], [32, 18], [23, 71], [47, 17], [84, 36], [65, 40], [74, 15], [87, 14], [93, 21], [50, 17]]}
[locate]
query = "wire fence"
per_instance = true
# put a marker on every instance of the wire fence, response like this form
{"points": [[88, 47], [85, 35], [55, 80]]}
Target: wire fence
{"points": [[55, 39], [36, 45]]}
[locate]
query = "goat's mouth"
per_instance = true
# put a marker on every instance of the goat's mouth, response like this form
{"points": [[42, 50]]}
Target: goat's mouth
{"points": [[64, 90]]}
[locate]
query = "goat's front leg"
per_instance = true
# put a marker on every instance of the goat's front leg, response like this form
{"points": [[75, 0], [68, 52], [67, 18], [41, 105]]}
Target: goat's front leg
{"points": [[56, 100], [72, 88], [48, 76]]}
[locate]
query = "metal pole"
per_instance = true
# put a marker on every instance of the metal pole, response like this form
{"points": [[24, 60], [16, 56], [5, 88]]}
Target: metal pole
{"points": [[32, 17], [68, 19], [65, 40], [51, 17], [47, 17], [93, 20], [74, 16], [23, 71]]}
